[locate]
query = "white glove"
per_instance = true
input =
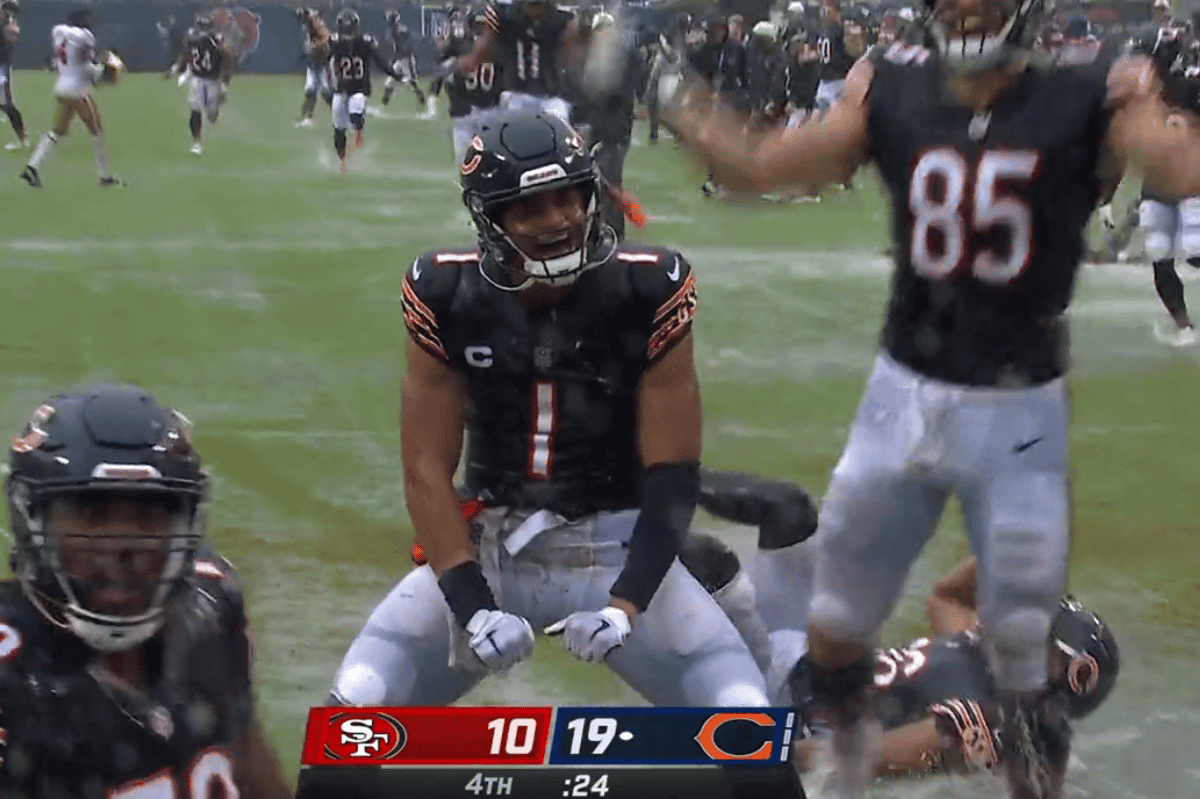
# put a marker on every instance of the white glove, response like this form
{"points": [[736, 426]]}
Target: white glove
{"points": [[1106, 216], [500, 639], [590, 635]]}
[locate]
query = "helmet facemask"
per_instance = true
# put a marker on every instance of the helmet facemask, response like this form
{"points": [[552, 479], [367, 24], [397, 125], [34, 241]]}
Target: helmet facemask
{"points": [[109, 580], [595, 242], [992, 38]]}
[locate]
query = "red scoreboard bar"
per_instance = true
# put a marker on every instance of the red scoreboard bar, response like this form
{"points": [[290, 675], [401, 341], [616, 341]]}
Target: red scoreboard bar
{"points": [[427, 736]]}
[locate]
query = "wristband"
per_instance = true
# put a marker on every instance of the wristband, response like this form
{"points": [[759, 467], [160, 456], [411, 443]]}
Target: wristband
{"points": [[466, 591]]}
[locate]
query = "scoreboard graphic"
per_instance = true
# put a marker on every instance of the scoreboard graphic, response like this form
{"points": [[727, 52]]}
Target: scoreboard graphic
{"points": [[547, 753]]}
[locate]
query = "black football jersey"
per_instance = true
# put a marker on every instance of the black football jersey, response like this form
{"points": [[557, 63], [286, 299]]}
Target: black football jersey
{"points": [[205, 58], [830, 41], [350, 59], [946, 678], [552, 411], [988, 216], [479, 89], [528, 53], [70, 730], [401, 40]]}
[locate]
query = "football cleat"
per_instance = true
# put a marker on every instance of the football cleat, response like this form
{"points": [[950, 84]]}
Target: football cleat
{"points": [[23, 144], [305, 123], [111, 181], [197, 149], [30, 176]]}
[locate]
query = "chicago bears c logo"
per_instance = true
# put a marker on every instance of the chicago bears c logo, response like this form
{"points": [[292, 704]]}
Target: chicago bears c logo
{"points": [[240, 28], [474, 157], [360, 735]]}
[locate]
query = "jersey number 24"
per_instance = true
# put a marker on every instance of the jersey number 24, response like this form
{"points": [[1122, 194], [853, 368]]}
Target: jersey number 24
{"points": [[971, 203]]}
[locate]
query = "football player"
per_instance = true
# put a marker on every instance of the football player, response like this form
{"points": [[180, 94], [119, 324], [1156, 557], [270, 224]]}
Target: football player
{"points": [[532, 41], [990, 190], [316, 55], [937, 695], [10, 34], [209, 60], [351, 54], [469, 95], [829, 40], [404, 63], [74, 53], [1171, 229], [566, 361], [125, 657]]}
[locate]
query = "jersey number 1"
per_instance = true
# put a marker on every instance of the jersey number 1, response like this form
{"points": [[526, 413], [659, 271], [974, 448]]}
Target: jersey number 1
{"points": [[970, 202], [544, 413], [529, 60]]}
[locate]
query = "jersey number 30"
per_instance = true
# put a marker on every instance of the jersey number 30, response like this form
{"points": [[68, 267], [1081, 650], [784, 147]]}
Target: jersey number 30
{"points": [[971, 203]]}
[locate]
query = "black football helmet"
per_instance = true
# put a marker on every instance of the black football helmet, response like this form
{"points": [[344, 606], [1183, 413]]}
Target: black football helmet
{"points": [[391, 16], [103, 439], [517, 153], [1023, 21], [13, 7], [1094, 659], [348, 22], [301, 13]]}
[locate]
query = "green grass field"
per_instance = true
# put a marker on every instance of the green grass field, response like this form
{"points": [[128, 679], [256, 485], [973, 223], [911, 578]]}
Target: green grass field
{"points": [[257, 289]]}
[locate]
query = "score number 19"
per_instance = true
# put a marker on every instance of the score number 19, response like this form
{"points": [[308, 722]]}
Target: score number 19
{"points": [[600, 731]]}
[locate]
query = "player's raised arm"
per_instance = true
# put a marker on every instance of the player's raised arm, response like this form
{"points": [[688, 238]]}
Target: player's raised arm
{"points": [[384, 66], [821, 151], [1160, 142]]}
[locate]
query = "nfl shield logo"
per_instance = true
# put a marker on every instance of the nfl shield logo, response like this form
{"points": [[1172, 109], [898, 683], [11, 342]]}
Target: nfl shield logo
{"points": [[160, 722]]}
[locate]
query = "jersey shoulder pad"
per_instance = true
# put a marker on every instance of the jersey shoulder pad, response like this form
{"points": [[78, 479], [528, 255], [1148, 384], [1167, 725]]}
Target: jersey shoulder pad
{"points": [[900, 54], [429, 286], [972, 728], [23, 628], [665, 283]]}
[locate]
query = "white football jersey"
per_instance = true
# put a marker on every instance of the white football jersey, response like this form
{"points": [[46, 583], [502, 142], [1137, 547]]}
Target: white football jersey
{"points": [[74, 51]]}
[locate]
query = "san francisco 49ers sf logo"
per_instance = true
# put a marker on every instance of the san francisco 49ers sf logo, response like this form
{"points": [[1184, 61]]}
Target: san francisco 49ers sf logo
{"points": [[355, 736]]}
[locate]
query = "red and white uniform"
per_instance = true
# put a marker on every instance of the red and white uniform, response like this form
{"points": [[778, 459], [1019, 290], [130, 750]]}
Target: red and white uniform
{"points": [[74, 58]]}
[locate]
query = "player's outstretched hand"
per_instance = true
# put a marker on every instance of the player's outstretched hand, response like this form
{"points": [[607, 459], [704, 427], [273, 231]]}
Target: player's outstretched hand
{"points": [[590, 634], [500, 639]]}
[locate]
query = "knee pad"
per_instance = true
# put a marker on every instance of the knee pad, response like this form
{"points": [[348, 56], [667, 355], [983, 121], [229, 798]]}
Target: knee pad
{"points": [[841, 621], [710, 561], [357, 120], [1019, 630], [1158, 245], [359, 685]]}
